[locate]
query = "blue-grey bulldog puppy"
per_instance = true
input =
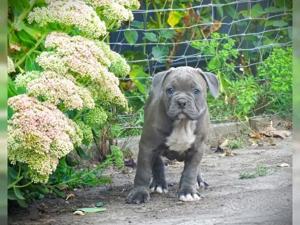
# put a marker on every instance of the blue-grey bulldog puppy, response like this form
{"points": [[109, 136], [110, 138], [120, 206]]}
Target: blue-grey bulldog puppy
{"points": [[176, 126]]}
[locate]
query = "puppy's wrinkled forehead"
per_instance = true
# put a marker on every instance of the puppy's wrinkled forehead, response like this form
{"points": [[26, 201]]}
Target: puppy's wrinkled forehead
{"points": [[185, 79]]}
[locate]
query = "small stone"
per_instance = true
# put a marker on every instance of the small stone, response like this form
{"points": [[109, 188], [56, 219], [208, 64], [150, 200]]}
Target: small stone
{"points": [[79, 213], [284, 165]]}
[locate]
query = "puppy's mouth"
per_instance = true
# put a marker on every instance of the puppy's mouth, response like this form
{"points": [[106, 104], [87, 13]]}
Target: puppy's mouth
{"points": [[184, 114]]}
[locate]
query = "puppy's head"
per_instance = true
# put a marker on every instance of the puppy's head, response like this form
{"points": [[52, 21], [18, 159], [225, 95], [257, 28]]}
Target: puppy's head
{"points": [[183, 91]]}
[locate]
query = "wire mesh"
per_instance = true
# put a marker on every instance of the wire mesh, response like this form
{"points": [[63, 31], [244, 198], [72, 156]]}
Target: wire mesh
{"points": [[256, 26]]}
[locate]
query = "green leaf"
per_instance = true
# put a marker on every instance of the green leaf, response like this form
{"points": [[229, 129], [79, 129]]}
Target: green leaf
{"points": [[220, 11], [11, 195], [280, 23], [92, 210], [167, 34], [131, 36], [26, 38], [231, 11], [11, 91], [18, 193], [137, 24], [137, 74], [22, 203], [59, 193], [150, 36], [197, 45], [30, 63], [35, 34], [257, 10], [273, 10], [276, 23], [174, 18], [160, 53], [214, 64]]}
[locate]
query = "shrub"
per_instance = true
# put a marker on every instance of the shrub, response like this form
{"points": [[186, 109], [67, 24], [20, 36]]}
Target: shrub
{"points": [[65, 83], [276, 78]]}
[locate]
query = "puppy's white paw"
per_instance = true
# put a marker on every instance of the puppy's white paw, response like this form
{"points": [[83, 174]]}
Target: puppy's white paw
{"points": [[159, 189], [189, 197]]}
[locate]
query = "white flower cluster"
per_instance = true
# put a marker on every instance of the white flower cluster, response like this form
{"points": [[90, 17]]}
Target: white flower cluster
{"points": [[70, 13], [128, 4], [23, 79], [55, 89], [115, 10], [39, 135], [88, 61]]}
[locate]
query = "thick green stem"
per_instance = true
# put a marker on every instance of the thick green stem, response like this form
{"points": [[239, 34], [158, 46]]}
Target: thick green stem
{"points": [[158, 16], [15, 182], [25, 185], [31, 50]]}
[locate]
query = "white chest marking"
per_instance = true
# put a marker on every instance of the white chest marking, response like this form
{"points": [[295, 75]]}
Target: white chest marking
{"points": [[182, 136]]}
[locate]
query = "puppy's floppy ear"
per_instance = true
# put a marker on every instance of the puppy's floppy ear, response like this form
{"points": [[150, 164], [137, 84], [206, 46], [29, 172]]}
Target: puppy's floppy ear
{"points": [[158, 79], [211, 81]]}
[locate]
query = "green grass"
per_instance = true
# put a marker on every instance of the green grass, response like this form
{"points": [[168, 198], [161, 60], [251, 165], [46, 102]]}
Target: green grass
{"points": [[260, 171], [236, 143]]}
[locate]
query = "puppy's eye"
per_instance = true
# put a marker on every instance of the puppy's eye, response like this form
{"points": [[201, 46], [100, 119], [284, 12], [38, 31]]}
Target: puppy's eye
{"points": [[170, 91], [196, 91]]}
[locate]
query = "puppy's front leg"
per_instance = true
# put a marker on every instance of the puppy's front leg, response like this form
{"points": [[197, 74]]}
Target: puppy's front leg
{"points": [[187, 187], [140, 192]]}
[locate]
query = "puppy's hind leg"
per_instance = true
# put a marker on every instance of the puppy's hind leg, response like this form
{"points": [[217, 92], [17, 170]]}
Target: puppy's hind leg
{"points": [[158, 183]]}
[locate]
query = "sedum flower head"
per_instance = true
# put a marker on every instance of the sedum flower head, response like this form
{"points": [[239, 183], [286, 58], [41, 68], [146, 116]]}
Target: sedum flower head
{"points": [[10, 65], [38, 135], [87, 60], [23, 79], [128, 4], [52, 61], [56, 89], [86, 132], [95, 117], [116, 12], [119, 65], [70, 13]]}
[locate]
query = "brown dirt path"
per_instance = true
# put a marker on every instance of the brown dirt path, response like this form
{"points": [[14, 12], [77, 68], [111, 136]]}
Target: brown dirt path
{"points": [[229, 200]]}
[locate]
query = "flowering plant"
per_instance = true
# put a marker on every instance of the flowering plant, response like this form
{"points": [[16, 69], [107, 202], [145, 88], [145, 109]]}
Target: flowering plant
{"points": [[65, 86]]}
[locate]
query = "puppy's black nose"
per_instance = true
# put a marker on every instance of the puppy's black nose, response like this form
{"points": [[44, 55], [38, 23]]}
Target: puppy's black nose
{"points": [[181, 103]]}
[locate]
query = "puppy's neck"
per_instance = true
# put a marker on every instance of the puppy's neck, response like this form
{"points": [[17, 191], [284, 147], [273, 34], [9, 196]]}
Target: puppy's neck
{"points": [[182, 136]]}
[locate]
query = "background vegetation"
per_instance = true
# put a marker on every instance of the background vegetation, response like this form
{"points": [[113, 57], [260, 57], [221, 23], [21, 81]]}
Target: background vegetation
{"points": [[255, 71]]}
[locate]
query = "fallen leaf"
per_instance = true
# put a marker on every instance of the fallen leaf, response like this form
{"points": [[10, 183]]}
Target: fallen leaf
{"points": [[216, 25], [221, 147], [224, 143], [255, 135], [70, 196], [92, 209], [79, 213], [228, 152], [15, 47], [281, 133]]}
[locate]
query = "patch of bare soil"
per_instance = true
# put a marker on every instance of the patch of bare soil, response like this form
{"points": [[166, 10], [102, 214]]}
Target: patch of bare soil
{"points": [[265, 199]]}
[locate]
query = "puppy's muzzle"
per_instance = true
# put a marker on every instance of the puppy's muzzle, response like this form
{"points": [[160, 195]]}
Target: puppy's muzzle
{"points": [[181, 102]]}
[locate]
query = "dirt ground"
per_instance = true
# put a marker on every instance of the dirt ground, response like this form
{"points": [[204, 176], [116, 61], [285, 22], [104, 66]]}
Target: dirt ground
{"points": [[228, 200]]}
